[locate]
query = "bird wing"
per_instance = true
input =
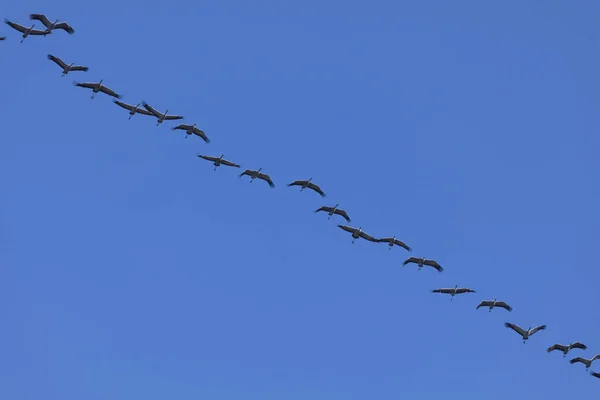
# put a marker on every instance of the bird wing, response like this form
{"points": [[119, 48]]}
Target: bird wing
{"points": [[297, 183], [37, 32], [200, 133], [66, 27], [432, 263], [413, 260], [578, 345], [464, 290], [484, 304], [515, 328], [347, 228], [556, 347], [109, 91], [207, 158], [79, 68], [577, 359], [229, 163], [172, 117], [368, 237], [442, 290], [537, 328], [182, 127], [42, 18], [57, 60], [342, 213], [266, 178], [323, 208], [151, 109], [385, 240], [595, 374], [247, 172], [503, 305], [87, 85], [15, 26], [316, 188], [403, 245], [125, 105]]}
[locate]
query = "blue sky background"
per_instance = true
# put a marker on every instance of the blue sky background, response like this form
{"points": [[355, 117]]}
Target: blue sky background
{"points": [[130, 269]]}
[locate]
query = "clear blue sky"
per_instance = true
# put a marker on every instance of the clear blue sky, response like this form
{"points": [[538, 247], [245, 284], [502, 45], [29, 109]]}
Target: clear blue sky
{"points": [[132, 270]]}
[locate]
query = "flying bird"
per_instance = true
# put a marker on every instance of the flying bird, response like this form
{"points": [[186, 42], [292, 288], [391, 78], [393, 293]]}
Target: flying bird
{"points": [[50, 26], [453, 291], [585, 361], [391, 241], [66, 67], [218, 161], [423, 261], [493, 303], [97, 87], [132, 109], [525, 334], [308, 184], [161, 116], [357, 233], [566, 348], [595, 374], [334, 210], [25, 31], [192, 130], [257, 174]]}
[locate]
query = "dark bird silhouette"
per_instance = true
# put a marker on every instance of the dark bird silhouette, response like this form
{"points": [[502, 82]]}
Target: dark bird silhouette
{"points": [[493, 304], [132, 109], [97, 87], [566, 348], [50, 26], [453, 291], [334, 210], [25, 31], [2, 38], [192, 130], [257, 174], [357, 233], [308, 184], [423, 261], [585, 361], [218, 161], [525, 334], [392, 241], [161, 116], [66, 67]]}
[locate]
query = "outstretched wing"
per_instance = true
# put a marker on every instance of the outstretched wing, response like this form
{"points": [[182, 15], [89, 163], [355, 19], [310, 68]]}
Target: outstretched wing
{"points": [[413, 260], [79, 68], [515, 328], [201, 134], [368, 237], [182, 127], [578, 345], [503, 305], [556, 347], [442, 290], [342, 213], [537, 328], [66, 27], [207, 158], [247, 172], [323, 208], [15, 26], [316, 188], [297, 183], [42, 18], [229, 163], [267, 179], [403, 245], [576, 360], [464, 290], [125, 105], [57, 60], [109, 91], [151, 109], [173, 117], [347, 228], [484, 304], [37, 32], [87, 85], [595, 374]]}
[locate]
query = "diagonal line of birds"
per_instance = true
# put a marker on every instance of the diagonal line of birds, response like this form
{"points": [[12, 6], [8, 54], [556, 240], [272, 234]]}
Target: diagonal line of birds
{"points": [[356, 233]]}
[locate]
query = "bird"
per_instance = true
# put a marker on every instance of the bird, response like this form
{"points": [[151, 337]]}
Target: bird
{"points": [[50, 26], [493, 303], [566, 348], [218, 161], [97, 87], [453, 291], [257, 174], [393, 241], [66, 67], [585, 361], [25, 31], [334, 210], [308, 184], [595, 374], [357, 233], [191, 129], [525, 334], [132, 109], [423, 261], [161, 116]]}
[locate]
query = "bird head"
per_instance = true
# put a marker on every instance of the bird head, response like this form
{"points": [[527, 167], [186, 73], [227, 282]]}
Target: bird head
{"points": [[100, 83], [336, 206], [309, 179], [222, 155], [260, 169]]}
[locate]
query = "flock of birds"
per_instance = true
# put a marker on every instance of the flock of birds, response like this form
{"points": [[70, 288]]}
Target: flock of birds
{"points": [[357, 233]]}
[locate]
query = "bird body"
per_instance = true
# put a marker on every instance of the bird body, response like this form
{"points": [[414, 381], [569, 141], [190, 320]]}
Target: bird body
{"points": [[192, 130], [453, 291], [253, 174], [525, 334], [493, 303], [391, 241], [357, 233], [97, 87], [161, 116], [423, 261], [334, 210], [50, 26], [566, 348], [25, 31], [218, 161], [132, 109], [66, 67], [585, 361], [308, 184]]}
